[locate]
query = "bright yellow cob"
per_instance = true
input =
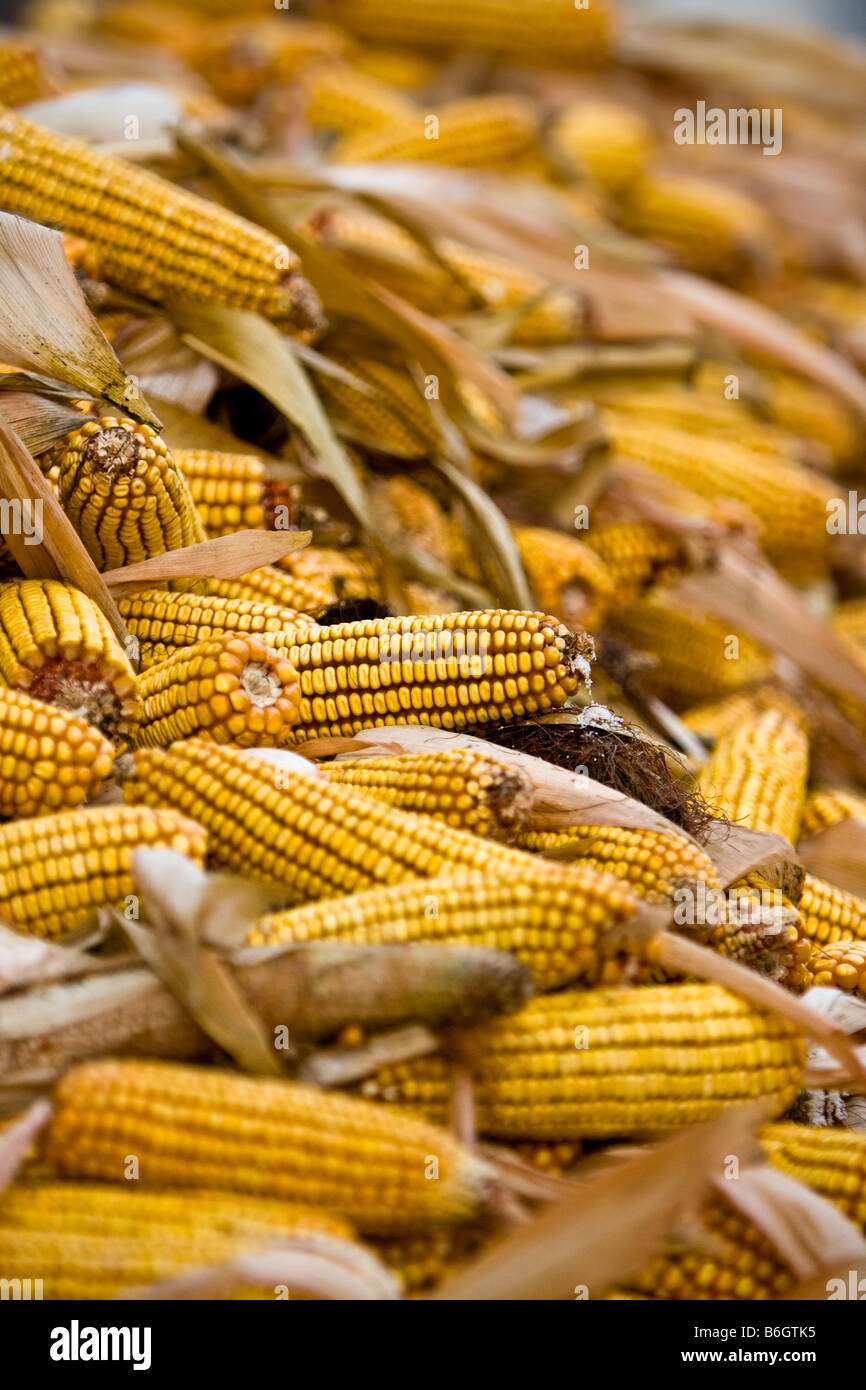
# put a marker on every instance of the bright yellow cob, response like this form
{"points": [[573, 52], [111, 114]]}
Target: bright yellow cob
{"points": [[600, 1064], [636, 554], [207, 1128], [340, 99], [712, 229], [830, 914], [787, 500], [553, 32], [92, 1241], [315, 840], [55, 870], [163, 622], [841, 965], [610, 142], [831, 1161], [321, 577], [22, 73], [758, 771], [50, 760], [148, 236], [56, 644], [699, 658], [477, 132], [394, 419], [653, 864], [828, 805], [567, 578], [552, 917], [235, 690], [466, 789], [230, 491], [123, 493]]}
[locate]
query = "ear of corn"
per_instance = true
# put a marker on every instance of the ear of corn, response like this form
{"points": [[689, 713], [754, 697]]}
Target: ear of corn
{"points": [[610, 142], [828, 806], [478, 132], [758, 770], [831, 1161], [567, 578], [466, 789], [600, 1064], [148, 236], [207, 1128], [340, 99], [229, 491], [636, 554], [166, 622], [56, 644], [50, 760], [123, 493], [554, 918], [23, 76], [830, 914], [841, 965], [321, 578], [315, 839], [712, 229], [234, 690], [652, 863], [56, 870]]}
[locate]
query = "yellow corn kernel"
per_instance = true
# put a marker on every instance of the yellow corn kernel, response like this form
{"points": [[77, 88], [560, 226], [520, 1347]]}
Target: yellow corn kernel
{"points": [[758, 770], [50, 760], [653, 864], [163, 622]]}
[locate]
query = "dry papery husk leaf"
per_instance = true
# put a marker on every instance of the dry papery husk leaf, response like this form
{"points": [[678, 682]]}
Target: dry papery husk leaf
{"points": [[164, 365], [45, 325], [838, 854], [499, 552], [39, 420], [563, 798], [343, 1066], [611, 1226], [98, 116], [224, 557], [61, 554], [27, 960], [316, 1267], [742, 588], [17, 1138]]}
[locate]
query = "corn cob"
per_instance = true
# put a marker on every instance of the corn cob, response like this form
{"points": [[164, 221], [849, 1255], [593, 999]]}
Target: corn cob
{"points": [[552, 917], [841, 966], [828, 805], [758, 770], [240, 58], [395, 67], [556, 1159], [636, 554], [611, 142], [698, 657], [831, 1161], [320, 577], [712, 229], [788, 501], [149, 237], [737, 1262], [340, 99], [717, 718], [599, 1064], [652, 863], [478, 132], [393, 420], [555, 32], [123, 493], [22, 73], [49, 760], [207, 1128], [164, 622], [567, 578], [230, 689], [55, 870], [794, 404], [830, 914], [314, 839], [230, 491], [425, 1260], [702, 413], [56, 644], [467, 790]]}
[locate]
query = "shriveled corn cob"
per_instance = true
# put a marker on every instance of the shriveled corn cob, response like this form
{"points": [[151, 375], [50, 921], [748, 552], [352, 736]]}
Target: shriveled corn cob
{"points": [[599, 1064], [567, 578], [828, 805], [22, 73], [55, 870], [477, 132], [56, 644], [466, 789], [149, 236], [652, 863], [699, 658], [830, 914], [832, 1161], [613, 143], [207, 1128], [315, 840], [230, 689], [636, 554], [712, 229], [554, 32], [758, 770], [123, 493], [163, 622], [50, 760], [733, 1260], [450, 671], [788, 501], [554, 918], [841, 965]]}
